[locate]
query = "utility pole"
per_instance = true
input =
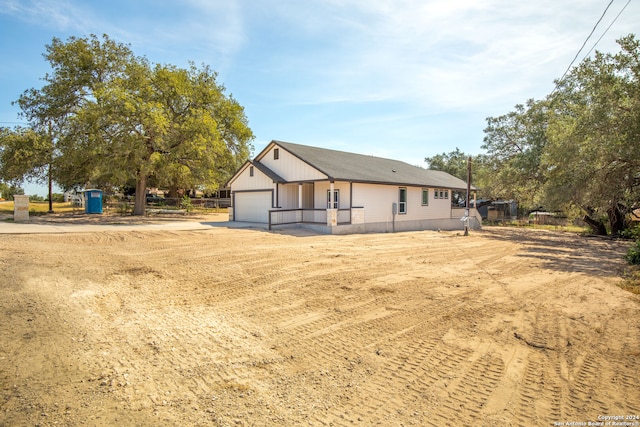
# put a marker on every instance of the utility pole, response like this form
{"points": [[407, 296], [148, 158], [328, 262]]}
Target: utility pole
{"points": [[467, 211], [49, 170]]}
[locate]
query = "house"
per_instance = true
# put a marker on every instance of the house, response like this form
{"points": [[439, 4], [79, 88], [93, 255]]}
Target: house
{"points": [[336, 192]]}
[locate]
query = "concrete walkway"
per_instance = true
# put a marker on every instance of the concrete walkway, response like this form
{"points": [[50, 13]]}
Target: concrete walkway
{"points": [[73, 225]]}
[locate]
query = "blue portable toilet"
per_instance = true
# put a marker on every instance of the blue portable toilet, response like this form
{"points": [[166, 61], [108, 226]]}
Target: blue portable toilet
{"points": [[93, 201]]}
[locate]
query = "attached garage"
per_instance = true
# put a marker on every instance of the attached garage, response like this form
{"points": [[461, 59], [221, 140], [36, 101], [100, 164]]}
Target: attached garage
{"points": [[252, 206]]}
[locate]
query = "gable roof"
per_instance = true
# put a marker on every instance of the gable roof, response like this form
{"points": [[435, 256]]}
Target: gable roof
{"points": [[262, 168], [268, 172], [345, 166]]}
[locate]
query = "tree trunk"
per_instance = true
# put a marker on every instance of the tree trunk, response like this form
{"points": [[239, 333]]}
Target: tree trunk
{"points": [[597, 226], [141, 194], [50, 189], [617, 215], [173, 192]]}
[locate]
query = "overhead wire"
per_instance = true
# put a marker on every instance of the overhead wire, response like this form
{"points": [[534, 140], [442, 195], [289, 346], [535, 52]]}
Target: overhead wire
{"points": [[586, 40], [608, 28], [588, 37]]}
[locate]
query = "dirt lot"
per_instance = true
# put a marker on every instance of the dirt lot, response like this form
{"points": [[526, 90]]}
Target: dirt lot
{"points": [[252, 328]]}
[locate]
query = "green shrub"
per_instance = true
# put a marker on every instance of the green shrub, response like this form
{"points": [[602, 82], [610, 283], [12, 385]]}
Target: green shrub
{"points": [[633, 254], [186, 204], [631, 233]]}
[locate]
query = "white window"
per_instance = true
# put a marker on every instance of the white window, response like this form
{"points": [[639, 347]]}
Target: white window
{"points": [[441, 193], [333, 204], [402, 201], [425, 197]]}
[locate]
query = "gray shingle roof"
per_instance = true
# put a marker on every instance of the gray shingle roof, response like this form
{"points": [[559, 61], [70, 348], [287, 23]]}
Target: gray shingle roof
{"points": [[344, 166], [268, 172]]}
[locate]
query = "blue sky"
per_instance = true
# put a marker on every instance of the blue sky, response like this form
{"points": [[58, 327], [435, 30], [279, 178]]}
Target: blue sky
{"points": [[403, 79]]}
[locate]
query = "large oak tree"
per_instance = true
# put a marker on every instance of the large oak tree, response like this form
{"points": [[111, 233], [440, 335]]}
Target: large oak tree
{"points": [[115, 117], [580, 147], [593, 156]]}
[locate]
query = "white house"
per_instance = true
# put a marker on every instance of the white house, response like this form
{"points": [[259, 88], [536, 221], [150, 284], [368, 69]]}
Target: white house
{"points": [[336, 192]]}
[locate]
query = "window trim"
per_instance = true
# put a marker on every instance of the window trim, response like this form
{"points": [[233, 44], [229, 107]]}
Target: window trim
{"points": [[336, 199], [425, 191], [276, 153], [250, 170], [402, 204], [441, 193]]}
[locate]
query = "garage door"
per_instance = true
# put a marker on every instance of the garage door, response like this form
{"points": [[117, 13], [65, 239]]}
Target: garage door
{"points": [[252, 206]]}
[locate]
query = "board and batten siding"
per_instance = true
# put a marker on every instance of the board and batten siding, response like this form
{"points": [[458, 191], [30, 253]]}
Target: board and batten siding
{"points": [[290, 167], [258, 181], [320, 198], [378, 200], [288, 195]]}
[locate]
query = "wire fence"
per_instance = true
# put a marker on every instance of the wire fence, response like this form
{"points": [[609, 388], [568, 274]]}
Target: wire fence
{"points": [[124, 204]]}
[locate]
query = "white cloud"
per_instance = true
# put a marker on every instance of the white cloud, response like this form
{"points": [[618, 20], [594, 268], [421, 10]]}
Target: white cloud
{"points": [[433, 55], [56, 14], [206, 29], [454, 55]]}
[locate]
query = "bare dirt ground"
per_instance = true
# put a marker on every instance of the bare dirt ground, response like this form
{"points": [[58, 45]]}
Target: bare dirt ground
{"points": [[229, 327]]}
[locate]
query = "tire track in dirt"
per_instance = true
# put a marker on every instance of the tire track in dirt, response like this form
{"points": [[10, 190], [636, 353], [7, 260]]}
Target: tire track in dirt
{"points": [[426, 361], [173, 365], [583, 396], [231, 328], [412, 373], [543, 376], [470, 393]]}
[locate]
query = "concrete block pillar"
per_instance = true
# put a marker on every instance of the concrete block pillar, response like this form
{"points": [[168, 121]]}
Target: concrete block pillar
{"points": [[332, 217], [20, 208]]}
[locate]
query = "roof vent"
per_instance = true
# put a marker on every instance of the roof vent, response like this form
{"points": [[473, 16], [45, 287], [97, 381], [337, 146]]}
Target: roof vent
{"points": [[393, 170]]}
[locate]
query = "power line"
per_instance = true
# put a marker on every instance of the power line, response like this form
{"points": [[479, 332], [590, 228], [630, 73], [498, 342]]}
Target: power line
{"points": [[586, 40], [608, 28], [584, 44]]}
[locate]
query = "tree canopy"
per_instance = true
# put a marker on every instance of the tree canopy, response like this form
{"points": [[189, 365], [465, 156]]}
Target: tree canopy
{"points": [[112, 118], [580, 147], [454, 163], [23, 154], [514, 143]]}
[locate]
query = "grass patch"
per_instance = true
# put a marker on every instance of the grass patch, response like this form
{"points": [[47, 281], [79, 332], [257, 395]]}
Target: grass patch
{"points": [[631, 280], [524, 224], [204, 211], [40, 208]]}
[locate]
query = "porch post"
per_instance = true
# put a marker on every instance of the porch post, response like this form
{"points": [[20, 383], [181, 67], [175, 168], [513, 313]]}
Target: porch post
{"points": [[300, 196], [332, 214]]}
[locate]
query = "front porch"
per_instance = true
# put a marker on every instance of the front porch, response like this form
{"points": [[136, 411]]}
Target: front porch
{"points": [[327, 217], [348, 221]]}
